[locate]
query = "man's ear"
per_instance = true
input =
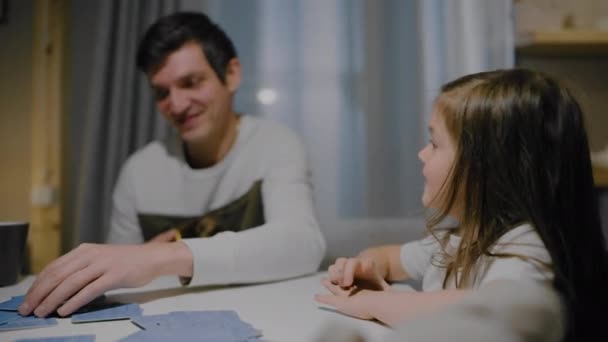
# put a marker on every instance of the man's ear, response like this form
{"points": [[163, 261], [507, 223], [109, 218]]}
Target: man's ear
{"points": [[233, 75]]}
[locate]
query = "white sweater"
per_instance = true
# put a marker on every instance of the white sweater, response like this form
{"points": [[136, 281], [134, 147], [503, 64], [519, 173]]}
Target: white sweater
{"points": [[422, 260], [158, 180]]}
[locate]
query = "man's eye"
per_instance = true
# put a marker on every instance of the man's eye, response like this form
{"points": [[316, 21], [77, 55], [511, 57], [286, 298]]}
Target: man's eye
{"points": [[192, 82], [160, 94]]}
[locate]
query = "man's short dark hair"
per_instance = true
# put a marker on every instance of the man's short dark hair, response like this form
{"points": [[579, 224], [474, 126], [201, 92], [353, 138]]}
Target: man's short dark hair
{"points": [[171, 32]]}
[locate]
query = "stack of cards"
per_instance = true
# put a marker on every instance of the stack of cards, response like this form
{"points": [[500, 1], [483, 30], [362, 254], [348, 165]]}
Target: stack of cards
{"points": [[216, 326], [211, 326], [74, 338], [96, 311], [11, 320]]}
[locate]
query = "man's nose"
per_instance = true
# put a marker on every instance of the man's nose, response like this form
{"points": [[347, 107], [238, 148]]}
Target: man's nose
{"points": [[179, 102]]}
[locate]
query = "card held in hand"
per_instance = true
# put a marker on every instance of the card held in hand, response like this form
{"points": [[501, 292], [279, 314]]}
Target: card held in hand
{"points": [[12, 304], [108, 312], [28, 322]]}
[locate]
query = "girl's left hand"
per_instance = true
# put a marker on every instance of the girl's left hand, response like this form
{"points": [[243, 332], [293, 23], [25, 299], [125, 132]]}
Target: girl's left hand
{"points": [[352, 301]]}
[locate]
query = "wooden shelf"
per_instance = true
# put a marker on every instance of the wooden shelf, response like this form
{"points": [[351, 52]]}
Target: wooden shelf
{"points": [[563, 43], [600, 176]]}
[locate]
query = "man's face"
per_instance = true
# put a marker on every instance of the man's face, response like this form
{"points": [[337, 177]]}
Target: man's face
{"points": [[192, 97]]}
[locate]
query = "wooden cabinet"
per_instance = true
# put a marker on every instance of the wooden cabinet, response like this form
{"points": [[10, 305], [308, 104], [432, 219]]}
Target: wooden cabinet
{"points": [[600, 176], [578, 55], [580, 58], [563, 43]]}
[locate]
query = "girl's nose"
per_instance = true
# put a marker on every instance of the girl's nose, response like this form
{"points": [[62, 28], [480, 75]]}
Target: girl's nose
{"points": [[422, 152]]}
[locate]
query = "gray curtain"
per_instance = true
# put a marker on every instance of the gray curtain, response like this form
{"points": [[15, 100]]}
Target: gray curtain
{"points": [[460, 37], [346, 80], [112, 112]]}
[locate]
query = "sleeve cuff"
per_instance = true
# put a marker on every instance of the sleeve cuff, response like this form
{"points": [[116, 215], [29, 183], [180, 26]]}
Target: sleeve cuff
{"points": [[212, 261], [408, 256]]}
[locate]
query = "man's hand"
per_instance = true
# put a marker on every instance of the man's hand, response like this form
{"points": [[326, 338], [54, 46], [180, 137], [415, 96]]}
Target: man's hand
{"points": [[88, 271], [360, 271]]}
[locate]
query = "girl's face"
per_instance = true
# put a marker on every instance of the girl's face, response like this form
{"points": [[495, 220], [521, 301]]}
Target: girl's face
{"points": [[437, 158]]}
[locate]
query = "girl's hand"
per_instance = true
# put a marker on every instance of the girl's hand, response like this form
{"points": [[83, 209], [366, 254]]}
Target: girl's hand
{"points": [[354, 301], [360, 271]]}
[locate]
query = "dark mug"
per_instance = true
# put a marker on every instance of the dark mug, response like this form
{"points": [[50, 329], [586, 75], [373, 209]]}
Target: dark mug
{"points": [[13, 236]]}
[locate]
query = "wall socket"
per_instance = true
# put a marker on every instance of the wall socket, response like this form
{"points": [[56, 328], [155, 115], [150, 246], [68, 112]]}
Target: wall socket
{"points": [[44, 196]]}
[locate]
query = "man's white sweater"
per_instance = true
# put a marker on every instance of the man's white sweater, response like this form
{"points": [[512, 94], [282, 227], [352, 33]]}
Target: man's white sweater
{"points": [[158, 180]]}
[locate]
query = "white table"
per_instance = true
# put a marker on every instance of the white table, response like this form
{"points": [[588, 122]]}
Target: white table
{"points": [[284, 311]]}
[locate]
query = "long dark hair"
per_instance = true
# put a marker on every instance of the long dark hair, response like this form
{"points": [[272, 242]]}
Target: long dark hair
{"points": [[522, 156]]}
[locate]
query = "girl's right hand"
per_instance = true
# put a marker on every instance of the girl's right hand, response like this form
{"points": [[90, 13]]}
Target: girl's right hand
{"points": [[361, 271]]}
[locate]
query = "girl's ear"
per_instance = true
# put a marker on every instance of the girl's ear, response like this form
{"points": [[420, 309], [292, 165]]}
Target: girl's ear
{"points": [[233, 75]]}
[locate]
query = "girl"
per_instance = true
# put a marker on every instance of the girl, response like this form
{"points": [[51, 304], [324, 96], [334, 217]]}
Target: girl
{"points": [[509, 160]]}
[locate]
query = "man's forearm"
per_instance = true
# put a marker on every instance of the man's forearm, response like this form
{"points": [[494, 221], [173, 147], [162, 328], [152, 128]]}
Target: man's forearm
{"points": [[264, 253]]}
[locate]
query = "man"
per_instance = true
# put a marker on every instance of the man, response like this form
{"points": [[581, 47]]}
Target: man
{"points": [[224, 174]]}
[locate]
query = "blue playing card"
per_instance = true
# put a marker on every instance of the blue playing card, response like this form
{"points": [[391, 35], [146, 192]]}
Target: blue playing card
{"points": [[11, 320], [96, 304], [12, 304], [75, 338], [27, 323], [110, 312], [218, 325], [153, 322], [180, 320], [184, 336], [6, 316], [229, 320]]}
